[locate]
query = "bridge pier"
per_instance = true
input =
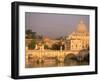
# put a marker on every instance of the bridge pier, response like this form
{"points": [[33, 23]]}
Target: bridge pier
{"points": [[61, 59], [61, 56], [40, 60]]}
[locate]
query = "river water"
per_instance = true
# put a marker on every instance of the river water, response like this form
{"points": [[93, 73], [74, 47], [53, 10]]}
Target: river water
{"points": [[52, 63]]}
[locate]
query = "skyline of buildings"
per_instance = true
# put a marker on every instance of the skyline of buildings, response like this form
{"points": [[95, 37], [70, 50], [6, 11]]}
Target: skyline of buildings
{"points": [[77, 40]]}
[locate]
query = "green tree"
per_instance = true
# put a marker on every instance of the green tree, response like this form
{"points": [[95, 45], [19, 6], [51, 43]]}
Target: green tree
{"points": [[46, 46], [33, 35], [55, 47], [30, 34], [32, 44], [29, 31]]}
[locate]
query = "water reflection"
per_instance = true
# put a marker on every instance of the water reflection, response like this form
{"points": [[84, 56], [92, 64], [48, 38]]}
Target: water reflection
{"points": [[54, 63]]}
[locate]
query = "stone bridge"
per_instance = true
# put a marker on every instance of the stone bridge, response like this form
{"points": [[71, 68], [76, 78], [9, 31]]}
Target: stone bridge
{"points": [[43, 55]]}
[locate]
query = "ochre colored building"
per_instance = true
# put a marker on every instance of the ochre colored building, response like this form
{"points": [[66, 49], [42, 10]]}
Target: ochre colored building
{"points": [[79, 39]]}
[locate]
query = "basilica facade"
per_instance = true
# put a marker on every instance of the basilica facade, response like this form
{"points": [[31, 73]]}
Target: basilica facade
{"points": [[79, 39]]}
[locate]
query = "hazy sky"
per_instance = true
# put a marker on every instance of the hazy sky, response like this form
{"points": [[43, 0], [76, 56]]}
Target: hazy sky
{"points": [[54, 25]]}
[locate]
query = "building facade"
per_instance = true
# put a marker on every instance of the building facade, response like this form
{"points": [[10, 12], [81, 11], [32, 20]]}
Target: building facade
{"points": [[79, 39]]}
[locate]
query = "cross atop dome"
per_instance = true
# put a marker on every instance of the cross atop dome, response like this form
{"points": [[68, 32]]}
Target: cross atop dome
{"points": [[81, 21], [81, 27]]}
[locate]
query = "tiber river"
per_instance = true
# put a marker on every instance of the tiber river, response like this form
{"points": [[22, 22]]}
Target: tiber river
{"points": [[54, 63]]}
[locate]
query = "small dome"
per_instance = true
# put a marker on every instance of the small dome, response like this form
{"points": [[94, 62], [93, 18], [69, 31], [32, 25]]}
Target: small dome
{"points": [[81, 27], [46, 39]]}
